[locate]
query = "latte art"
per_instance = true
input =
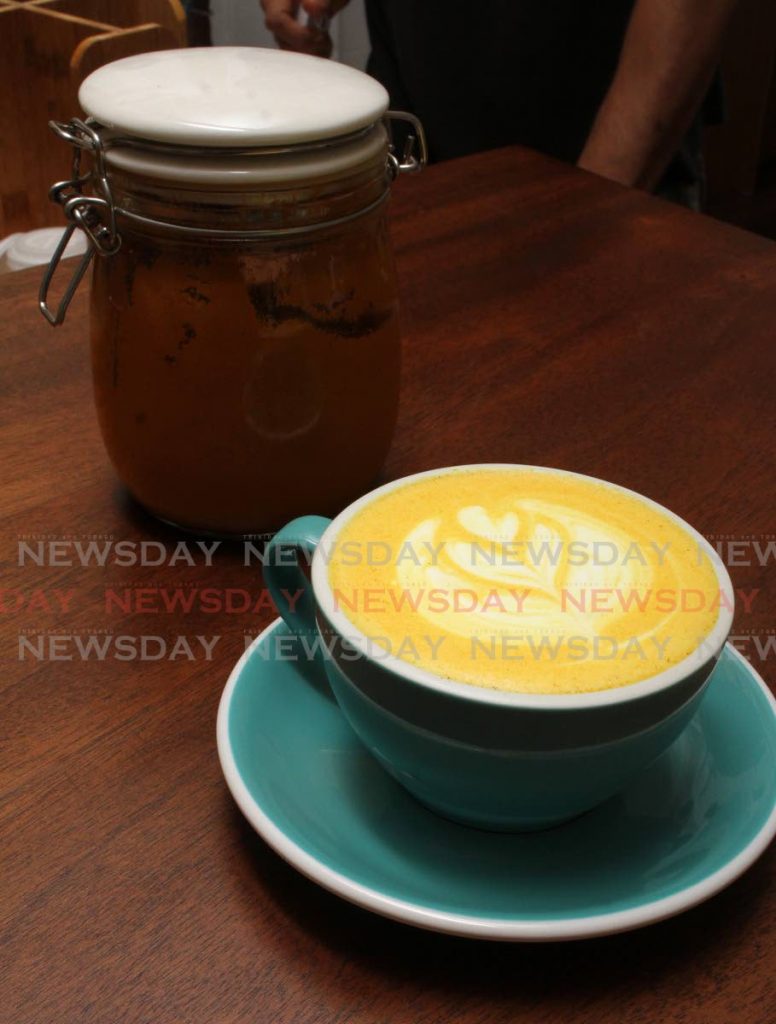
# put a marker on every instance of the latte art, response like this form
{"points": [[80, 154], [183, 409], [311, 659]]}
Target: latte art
{"points": [[526, 580]]}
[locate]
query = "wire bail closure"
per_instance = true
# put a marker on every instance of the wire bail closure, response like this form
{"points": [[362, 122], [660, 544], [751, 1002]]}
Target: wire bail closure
{"points": [[96, 214], [415, 155]]}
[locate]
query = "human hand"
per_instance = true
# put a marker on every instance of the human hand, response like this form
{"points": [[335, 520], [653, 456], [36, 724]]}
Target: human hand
{"points": [[280, 17]]}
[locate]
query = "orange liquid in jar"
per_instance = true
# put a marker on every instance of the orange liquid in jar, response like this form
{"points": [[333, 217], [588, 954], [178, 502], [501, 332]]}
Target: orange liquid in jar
{"points": [[238, 386]]}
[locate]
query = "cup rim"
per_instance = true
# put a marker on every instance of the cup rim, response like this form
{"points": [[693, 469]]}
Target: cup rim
{"points": [[714, 640]]}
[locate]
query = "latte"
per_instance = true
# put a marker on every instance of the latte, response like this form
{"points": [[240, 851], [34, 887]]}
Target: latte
{"points": [[525, 580]]}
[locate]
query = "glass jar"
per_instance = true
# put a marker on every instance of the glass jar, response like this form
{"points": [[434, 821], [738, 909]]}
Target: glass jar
{"points": [[244, 325]]}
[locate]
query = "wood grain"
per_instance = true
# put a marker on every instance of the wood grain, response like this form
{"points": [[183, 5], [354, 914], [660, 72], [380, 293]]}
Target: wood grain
{"points": [[550, 317], [50, 48], [168, 14], [35, 49], [97, 50]]}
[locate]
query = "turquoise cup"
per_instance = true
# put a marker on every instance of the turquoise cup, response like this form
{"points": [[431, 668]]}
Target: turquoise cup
{"points": [[499, 761]]}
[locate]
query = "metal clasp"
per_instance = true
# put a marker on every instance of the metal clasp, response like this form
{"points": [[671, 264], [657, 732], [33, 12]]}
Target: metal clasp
{"points": [[415, 153], [94, 214]]}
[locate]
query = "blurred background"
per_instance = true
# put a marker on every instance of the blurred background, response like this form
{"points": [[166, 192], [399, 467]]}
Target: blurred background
{"points": [[233, 20], [47, 47]]}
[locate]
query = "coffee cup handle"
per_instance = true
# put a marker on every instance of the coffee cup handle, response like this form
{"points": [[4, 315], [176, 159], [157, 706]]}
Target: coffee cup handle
{"points": [[285, 579]]}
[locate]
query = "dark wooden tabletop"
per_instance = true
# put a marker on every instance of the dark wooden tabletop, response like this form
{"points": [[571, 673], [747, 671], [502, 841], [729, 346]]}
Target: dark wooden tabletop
{"points": [[551, 318]]}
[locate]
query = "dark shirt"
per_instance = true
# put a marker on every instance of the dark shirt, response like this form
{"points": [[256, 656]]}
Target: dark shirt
{"points": [[491, 73]]}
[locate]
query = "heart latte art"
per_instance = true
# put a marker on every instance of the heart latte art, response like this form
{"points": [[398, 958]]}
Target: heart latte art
{"points": [[525, 580]]}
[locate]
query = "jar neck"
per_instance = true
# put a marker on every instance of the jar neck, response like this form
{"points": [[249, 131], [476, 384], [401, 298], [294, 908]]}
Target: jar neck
{"points": [[249, 199]]}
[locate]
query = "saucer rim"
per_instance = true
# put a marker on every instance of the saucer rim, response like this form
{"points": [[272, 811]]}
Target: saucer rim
{"points": [[466, 925]]}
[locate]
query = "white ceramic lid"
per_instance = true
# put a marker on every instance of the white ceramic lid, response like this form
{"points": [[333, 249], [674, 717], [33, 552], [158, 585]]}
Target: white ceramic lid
{"points": [[231, 96]]}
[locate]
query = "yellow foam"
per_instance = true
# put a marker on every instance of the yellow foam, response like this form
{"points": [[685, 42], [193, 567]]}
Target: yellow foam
{"points": [[524, 581]]}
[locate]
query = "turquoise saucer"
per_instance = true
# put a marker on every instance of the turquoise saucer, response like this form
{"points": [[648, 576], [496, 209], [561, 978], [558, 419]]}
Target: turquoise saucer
{"points": [[687, 827]]}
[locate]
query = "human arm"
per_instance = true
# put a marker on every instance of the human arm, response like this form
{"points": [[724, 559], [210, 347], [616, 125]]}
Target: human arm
{"points": [[669, 55], [280, 17]]}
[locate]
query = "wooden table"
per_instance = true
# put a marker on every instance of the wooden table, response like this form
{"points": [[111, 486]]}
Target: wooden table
{"points": [[551, 318]]}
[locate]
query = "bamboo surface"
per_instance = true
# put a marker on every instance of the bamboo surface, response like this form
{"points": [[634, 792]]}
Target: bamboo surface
{"points": [[47, 48]]}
